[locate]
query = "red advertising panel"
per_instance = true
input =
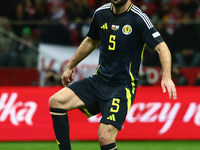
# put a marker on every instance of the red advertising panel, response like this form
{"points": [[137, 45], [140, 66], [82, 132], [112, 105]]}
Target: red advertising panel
{"points": [[24, 116]]}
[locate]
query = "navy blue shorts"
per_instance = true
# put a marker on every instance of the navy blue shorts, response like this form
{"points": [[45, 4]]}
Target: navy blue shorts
{"points": [[113, 102]]}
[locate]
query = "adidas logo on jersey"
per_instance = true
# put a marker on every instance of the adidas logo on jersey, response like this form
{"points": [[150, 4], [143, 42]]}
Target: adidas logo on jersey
{"points": [[105, 26], [111, 117]]}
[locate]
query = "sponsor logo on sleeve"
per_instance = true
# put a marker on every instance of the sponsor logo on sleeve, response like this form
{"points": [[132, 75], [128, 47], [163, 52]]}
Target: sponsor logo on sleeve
{"points": [[156, 34]]}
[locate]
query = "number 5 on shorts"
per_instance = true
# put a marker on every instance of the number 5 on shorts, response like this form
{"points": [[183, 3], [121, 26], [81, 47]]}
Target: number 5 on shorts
{"points": [[115, 102]]}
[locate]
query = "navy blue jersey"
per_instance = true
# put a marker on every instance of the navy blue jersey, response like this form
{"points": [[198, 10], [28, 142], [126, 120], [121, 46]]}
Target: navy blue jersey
{"points": [[122, 41]]}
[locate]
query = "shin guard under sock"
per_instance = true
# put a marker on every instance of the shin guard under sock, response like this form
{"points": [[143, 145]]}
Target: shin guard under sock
{"points": [[61, 127]]}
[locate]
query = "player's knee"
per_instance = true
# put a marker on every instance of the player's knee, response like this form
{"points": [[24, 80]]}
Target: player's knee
{"points": [[105, 135], [53, 102], [103, 139]]}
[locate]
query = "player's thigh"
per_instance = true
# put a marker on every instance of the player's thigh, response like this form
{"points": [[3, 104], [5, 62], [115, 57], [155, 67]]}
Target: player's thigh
{"points": [[107, 133], [65, 99]]}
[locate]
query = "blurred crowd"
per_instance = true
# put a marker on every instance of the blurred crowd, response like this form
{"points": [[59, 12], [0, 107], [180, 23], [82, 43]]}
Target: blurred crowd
{"points": [[26, 23]]}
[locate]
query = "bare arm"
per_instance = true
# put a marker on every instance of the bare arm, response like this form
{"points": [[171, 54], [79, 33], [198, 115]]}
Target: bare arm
{"points": [[165, 59], [85, 48]]}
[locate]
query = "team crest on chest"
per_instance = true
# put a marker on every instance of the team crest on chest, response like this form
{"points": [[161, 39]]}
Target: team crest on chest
{"points": [[127, 29]]}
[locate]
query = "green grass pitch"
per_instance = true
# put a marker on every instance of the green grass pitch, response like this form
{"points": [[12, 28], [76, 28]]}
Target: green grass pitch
{"points": [[93, 145]]}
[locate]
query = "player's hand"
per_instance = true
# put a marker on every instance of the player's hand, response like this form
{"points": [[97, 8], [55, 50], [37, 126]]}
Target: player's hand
{"points": [[168, 85], [67, 77]]}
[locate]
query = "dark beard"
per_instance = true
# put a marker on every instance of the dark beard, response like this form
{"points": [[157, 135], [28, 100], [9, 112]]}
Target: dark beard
{"points": [[121, 3]]}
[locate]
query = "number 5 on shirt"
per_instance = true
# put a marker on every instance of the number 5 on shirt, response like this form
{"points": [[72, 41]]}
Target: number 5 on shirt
{"points": [[112, 42]]}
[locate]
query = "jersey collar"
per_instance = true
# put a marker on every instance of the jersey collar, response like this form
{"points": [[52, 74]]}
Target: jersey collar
{"points": [[111, 7]]}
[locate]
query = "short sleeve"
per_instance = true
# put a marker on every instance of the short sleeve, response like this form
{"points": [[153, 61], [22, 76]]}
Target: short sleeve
{"points": [[149, 33], [152, 37], [94, 31]]}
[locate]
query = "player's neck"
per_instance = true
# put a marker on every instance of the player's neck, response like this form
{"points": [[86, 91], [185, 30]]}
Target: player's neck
{"points": [[119, 10]]}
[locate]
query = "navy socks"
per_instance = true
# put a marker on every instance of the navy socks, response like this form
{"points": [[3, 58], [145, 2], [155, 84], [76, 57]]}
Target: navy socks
{"points": [[61, 127]]}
